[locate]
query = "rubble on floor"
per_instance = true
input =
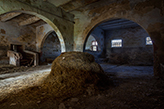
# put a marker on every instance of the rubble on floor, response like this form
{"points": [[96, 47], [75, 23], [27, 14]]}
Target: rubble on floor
{"points": [[144, 91]]}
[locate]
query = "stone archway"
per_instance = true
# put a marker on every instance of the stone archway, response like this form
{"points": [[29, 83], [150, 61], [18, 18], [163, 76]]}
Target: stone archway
{"points": [[148, 14], [42, 32], [50, 47], [45, 12], [152, 25], [90, 32], [151, 20], [51, 27], [93, 25], [44, 38], [49, 24]]}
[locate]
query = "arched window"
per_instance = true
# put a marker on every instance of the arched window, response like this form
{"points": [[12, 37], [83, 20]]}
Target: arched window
{"points": [[94, 46]]}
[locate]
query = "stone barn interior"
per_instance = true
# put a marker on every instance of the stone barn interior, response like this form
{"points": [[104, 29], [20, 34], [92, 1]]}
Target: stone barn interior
{"points": [[87, 54]]}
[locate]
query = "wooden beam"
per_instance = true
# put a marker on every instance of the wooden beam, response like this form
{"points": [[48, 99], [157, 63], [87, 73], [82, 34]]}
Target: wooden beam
{"points": [[29, 21], [9, 16]]}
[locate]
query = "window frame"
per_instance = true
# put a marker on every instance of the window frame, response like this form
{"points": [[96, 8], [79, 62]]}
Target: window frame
{"points": [[94, 45], [119, 45]]}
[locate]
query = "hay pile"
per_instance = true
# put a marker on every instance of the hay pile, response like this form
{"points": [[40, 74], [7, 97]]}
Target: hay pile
{"points": [[73, 73]]}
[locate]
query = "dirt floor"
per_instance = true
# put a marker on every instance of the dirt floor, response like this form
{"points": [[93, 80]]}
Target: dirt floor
{"points": [[133, 87]]}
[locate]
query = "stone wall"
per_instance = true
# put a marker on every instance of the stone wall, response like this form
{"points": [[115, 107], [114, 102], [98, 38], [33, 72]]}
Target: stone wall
{"points": [[134, 50]]}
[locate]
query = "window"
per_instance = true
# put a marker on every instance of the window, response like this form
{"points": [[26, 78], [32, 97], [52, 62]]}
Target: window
{"points": [[94, 46], [94, 43], [148, 41], [116, 43]]}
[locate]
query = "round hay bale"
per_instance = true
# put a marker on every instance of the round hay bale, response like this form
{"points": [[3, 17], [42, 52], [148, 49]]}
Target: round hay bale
{"points": [[71, 74]]}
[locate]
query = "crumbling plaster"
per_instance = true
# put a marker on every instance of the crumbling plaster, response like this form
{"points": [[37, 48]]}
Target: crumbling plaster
{"points": [[47, 12], [11, 33]]}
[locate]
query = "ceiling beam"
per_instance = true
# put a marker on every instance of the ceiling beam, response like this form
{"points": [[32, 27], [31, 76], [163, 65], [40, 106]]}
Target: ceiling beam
{"points": [[72, 5], [57, 3], [9, 16], [119, 26], [29, 21], [116, 22]]}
